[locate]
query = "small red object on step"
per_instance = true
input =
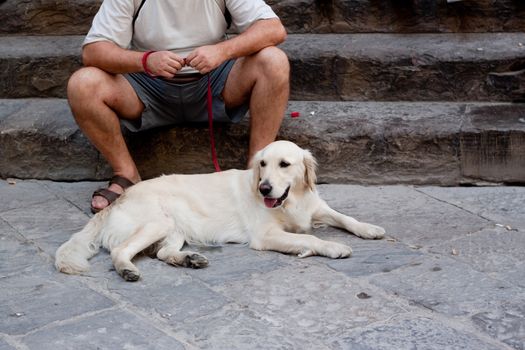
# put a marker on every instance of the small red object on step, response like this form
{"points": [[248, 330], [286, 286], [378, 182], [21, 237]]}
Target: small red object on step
{"points": [[295, 114]]}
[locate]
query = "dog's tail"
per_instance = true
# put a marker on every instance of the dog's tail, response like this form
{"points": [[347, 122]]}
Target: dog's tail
{"points": [[72, 257]]}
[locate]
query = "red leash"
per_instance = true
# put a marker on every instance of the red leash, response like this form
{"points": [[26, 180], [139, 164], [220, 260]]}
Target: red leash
{"points": [[209, 103], [210, 127]]}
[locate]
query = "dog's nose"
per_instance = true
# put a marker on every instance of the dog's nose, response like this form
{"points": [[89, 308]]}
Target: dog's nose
{"points": [[265, 188]]}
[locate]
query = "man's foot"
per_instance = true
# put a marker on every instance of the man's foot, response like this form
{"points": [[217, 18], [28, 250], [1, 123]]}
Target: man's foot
{"points": [[103, 197]]}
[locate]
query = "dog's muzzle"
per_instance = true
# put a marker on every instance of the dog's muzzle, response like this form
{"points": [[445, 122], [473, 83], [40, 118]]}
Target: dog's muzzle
{"points": [[270, 202]]}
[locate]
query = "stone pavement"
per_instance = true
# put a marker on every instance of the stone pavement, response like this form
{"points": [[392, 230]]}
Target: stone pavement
{"points": [[449, 275]]}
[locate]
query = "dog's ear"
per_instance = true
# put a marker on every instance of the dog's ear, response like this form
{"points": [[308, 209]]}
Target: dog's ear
{"points": [[310, 165], [254, 165]]}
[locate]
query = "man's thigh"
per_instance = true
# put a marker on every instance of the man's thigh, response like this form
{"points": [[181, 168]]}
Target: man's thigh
{"points": [[270, 64], [124, 99], [91, 86], [239, 84]]}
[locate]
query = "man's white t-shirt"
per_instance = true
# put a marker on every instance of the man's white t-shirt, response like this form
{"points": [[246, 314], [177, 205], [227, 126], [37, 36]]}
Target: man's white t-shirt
{"points": [[175, 25]]}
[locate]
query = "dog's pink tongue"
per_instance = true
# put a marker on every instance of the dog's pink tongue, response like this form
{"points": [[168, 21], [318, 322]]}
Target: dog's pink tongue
{"points": [[270, 202]]}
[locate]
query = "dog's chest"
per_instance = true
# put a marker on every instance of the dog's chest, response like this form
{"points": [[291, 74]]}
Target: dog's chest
{"points": [[296, 220]]}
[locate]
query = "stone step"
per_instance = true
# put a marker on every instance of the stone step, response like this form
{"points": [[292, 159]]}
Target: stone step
{"points": [[354, 142], [55, 17], [373, 67]]}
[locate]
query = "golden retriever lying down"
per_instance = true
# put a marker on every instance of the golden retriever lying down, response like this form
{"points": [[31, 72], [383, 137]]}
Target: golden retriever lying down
{"points": [[265, 206]]}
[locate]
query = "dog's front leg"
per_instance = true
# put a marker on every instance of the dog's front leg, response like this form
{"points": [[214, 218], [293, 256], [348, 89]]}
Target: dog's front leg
{"points": [[326, 215], [302, 245]]}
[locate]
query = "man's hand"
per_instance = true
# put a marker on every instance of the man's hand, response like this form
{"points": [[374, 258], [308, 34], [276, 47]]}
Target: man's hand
{"points": [[164, 63], [206, 58]]}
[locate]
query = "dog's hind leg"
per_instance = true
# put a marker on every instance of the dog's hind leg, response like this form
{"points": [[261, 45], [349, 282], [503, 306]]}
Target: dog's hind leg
{"points": [[326, 215], [143, 237], [171, 253]]}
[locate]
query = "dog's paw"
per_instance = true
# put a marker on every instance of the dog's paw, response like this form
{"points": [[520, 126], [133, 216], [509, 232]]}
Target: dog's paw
{"points": [[306, 253], [337, 250], [129, 275], [195, 261], [369, 231]]}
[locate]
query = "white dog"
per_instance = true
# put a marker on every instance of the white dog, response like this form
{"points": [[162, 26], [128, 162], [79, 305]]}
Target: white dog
{"points": [[264, 206]]}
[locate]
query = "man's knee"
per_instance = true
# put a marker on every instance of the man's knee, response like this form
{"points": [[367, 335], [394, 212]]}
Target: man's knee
{"points": [[274, 62], [85, 82]]}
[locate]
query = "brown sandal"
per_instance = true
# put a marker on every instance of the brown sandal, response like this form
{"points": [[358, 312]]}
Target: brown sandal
{"points": [[111, 196]]}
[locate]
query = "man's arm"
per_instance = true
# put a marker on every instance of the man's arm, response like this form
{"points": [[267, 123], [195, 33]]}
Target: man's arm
{"points": [[110, 57], [261, 34]]}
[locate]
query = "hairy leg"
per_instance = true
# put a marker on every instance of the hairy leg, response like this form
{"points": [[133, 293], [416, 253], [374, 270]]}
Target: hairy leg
{"points": [[263, 80], [171, 253], [97, 100]]}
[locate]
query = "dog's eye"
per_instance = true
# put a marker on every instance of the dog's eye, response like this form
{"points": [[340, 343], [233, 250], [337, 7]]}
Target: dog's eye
{"points": [[262, 163], [284, 164]]}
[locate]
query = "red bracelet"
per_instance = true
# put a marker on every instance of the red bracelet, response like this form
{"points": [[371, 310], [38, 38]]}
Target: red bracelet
{"points": [[145, 63]]}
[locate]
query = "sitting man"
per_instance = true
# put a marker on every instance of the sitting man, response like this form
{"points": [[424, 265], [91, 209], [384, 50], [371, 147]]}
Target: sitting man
{"points": [[147, 64]]}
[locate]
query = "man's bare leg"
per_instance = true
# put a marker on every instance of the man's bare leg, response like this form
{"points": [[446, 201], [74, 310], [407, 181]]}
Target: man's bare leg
{"points": [[95, 98], [264, 80]]}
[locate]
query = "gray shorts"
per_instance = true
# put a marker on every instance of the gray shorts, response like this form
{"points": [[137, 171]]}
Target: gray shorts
{"points": [[167, 103]]}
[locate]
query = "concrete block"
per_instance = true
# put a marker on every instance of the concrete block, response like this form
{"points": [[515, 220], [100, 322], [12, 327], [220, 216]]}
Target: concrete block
{"points": [[349, 67], [299, 16]]}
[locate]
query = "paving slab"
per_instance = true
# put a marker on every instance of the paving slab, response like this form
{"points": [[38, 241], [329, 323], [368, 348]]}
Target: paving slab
{"points": [[325, 299], [372, 257], [75, 192], [231, 263], [407, 215], [391, 293], [113, 329], [503, 206], [356, 67], [236, 327], [496, 251], [5, 346], [17, 255], [31, 301], [440, 284], [505, 324], [20, 194], [412, 333], [36, 224], [455, 289], [176, 299]]}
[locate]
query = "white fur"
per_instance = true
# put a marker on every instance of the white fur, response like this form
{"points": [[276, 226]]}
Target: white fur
{"points": [[215, 209]]}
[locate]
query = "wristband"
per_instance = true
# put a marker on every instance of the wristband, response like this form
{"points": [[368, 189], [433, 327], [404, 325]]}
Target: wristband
{"points": [[145, 63]]}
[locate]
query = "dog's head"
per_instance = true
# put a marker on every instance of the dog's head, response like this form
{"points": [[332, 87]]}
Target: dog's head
{"points": [[282, 168]]}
